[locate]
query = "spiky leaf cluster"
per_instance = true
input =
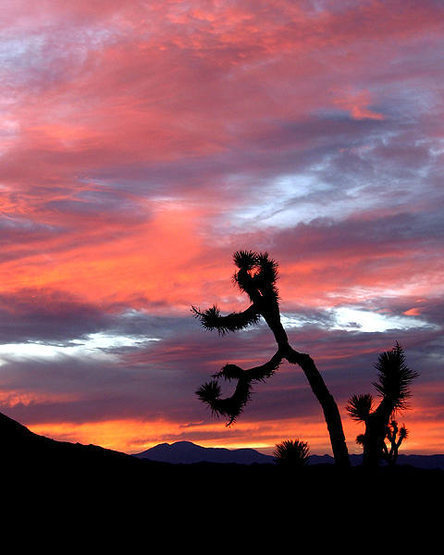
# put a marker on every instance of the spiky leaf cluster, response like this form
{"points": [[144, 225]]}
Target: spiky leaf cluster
{"points": [[257, 274], [403, 433], [209, 392], [245, 260], [394, 377], [360, 406]]}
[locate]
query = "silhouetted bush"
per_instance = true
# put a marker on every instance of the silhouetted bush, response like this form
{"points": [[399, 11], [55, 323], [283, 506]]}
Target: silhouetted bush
{"points": [[292, 453]]}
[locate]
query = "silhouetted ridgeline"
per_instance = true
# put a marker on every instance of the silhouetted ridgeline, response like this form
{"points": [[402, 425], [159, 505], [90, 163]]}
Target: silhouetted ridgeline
{"points": [[91, 475], [186, 452]]}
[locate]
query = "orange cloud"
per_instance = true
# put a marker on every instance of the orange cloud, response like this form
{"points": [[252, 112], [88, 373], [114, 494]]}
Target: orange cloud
{"points": [[358, 105]]}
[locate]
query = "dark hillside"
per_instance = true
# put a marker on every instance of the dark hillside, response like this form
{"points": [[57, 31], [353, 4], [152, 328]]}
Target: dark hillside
{"points": [[23, 448], [96, 480]]}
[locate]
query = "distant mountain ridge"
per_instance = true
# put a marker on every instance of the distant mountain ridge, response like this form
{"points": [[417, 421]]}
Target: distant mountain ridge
{"points": [[186, 452]]}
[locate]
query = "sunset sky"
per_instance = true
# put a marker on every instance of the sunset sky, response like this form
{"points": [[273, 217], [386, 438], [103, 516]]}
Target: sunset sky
{"points": [[143, 142]]}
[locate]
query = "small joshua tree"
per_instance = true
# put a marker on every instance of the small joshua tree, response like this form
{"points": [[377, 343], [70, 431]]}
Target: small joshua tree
{"points": [[393, 385], [395, 436], [256, 276], [292, 453]]}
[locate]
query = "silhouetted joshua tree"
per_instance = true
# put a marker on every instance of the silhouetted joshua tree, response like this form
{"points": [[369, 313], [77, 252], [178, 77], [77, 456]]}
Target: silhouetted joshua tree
{"points": [[292, 453], [395, 436], [256, 276], [393, 385]]}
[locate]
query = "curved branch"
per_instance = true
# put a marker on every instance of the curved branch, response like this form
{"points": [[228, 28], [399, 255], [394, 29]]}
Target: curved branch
{"points": [[232, 406], [255, 374], [211, 319]]}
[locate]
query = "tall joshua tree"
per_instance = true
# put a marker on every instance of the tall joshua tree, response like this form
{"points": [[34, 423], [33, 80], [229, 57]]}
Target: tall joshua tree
{"points": [[393, 386], [256, 276]]}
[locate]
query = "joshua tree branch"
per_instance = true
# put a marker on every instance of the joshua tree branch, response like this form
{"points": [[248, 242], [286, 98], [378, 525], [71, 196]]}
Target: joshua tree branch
{"points": [[232, 406], [211, 319]]}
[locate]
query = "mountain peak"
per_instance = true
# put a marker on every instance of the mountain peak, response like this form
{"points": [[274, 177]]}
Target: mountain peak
{"points": [[187, 452]]}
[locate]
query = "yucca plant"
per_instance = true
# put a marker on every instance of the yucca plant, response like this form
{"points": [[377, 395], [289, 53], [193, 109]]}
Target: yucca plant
{"points": [[393, 386], [256, 275], [292, 453]]}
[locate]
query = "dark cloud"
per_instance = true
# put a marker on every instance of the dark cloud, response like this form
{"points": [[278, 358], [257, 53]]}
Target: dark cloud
{"points": [[47, 315], [378, 234], [19, 235]]}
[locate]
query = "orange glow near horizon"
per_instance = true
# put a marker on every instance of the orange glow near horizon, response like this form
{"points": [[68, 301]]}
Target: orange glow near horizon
{"points": [[134, 436], [125, 435]]}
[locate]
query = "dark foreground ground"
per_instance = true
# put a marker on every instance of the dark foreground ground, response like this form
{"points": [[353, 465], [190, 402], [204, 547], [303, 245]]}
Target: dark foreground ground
{"points": [[87, 487]]}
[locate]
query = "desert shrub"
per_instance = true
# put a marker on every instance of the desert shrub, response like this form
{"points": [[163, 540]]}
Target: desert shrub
{"points": [[292, 453]]}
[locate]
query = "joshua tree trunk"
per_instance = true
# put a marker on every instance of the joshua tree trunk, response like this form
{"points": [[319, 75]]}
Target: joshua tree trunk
{"points": [[375, 432], [329, 407], [373, 441]]}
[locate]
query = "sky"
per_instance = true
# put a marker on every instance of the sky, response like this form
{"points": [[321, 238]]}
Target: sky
{"points": [[143, 142]]}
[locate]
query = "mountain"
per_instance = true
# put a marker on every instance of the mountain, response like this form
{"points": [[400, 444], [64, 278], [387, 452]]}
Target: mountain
{"points": [[186, 452], [21, 448]]}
